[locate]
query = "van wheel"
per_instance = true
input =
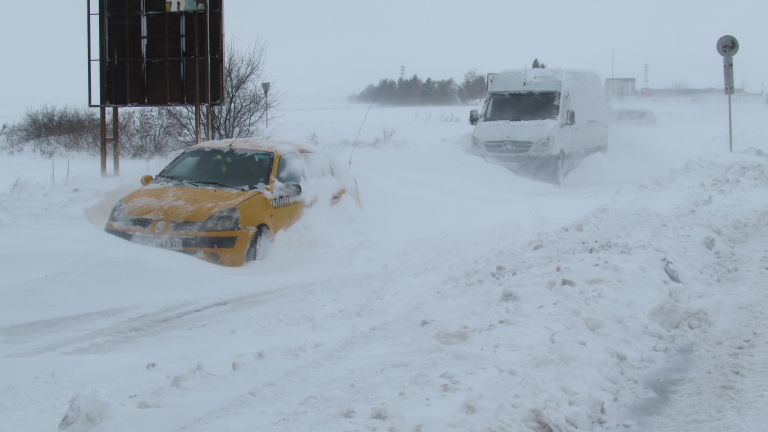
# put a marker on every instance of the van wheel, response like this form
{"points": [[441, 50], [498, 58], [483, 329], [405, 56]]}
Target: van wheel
{"points": [[257, 248], [557, 173]]}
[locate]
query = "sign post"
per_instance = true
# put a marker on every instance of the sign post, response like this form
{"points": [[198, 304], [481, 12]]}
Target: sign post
{"points": [[265, 86], [728, 46]]}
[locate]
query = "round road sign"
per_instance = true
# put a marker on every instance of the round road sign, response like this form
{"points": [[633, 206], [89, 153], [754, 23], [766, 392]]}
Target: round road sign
{"points": [[727, 46]]}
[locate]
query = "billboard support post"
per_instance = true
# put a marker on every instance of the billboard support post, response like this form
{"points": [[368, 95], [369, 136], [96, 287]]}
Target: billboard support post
{"points": [[198, 133], [115, 143], [103, 133], [208, 120], [114, 140]]}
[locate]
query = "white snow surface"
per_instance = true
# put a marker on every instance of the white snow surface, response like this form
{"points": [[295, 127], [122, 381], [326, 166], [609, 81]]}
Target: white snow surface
{"points": [[460, 297]]}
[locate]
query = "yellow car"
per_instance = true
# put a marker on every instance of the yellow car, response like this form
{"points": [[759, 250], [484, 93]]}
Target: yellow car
{"points": [[223, 200]]}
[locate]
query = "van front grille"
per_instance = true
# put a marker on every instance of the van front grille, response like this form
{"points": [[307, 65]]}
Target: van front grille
{"points": [[508, 146]]}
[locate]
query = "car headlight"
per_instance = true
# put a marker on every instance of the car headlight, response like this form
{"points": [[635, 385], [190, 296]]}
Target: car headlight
{"points": [[476, 142], [544, 144], [224, 220], [118, 213]]}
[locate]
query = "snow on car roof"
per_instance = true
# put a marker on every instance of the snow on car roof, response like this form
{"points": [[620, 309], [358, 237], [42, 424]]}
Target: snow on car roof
{"points": [[255, 144]]}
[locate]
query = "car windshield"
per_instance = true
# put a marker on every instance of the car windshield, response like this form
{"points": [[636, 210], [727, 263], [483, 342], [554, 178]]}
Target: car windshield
{"points": [[221, 167], [524, 106]]}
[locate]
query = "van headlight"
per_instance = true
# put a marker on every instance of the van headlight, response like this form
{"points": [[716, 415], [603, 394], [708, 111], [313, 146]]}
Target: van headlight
{"points": [[544, 144], [118, 213], [224, 220]]}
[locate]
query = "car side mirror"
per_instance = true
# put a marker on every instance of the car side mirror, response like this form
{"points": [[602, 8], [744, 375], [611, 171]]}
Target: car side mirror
{"points": [[290, 189], [146, 179], [473, 117], [571, 118]]}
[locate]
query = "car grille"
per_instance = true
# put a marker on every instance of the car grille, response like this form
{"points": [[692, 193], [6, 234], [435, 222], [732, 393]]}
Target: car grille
{"points": [[185, 226], [508, 146]]}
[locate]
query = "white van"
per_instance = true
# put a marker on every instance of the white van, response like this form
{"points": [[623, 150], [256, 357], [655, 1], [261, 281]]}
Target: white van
{"points": [[541, 122]]}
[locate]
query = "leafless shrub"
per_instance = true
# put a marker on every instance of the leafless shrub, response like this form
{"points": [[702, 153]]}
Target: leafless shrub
{"points": [[50, 129], [387, 134], [679, 84], [19, 186], [246, 109], [149, 132], [449, 118], [313, 139]]}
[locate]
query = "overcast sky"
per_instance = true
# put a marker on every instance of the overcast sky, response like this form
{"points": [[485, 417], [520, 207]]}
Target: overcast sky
{"points": [[333, 48]]}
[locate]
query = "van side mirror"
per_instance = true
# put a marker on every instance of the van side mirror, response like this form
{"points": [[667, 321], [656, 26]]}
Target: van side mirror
{"points": [[571, 118], [146, 179], [473, 117]]}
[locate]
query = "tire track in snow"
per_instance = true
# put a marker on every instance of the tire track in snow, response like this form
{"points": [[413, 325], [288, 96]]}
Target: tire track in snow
{"points": [[18, 337]]}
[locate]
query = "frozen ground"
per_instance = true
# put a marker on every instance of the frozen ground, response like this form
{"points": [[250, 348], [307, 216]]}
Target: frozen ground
{"points": [[460, 297]]}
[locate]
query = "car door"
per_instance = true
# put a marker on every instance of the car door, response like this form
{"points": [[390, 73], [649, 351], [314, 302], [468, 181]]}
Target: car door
{"points": [[325, 182], [288, 207]]}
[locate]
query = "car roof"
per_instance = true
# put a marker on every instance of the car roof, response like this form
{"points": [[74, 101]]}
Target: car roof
{"points": [[272, 146]]}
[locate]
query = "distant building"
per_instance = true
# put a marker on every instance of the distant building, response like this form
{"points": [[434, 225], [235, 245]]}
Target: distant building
{"points": [[619, 87]]}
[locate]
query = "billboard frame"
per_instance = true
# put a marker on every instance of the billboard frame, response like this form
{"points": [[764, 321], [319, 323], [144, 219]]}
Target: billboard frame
{"points": [[202, 91]]}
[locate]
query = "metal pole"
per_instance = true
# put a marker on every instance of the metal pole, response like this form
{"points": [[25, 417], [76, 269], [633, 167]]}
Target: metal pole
{"points": [[730, 127], [115, 144], [208, 119], [728, 73], [727, 46], [103, 130], [90, 98], [198, 140], [208, 56]]}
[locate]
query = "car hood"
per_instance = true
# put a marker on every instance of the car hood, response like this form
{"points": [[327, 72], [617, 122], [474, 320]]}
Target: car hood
{"points": [[179, 203], [531, 131]]}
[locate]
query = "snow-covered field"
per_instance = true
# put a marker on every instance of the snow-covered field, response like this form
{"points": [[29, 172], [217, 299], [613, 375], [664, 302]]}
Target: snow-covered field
{"points": [[460, 297]]}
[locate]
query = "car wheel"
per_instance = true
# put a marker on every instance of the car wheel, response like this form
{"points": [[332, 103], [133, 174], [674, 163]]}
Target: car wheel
{"points": [[257, 248], [603, 148], [557, 173]]}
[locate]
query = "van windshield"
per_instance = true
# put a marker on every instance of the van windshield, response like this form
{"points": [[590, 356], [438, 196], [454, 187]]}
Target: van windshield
{"points": [[523, 106]]}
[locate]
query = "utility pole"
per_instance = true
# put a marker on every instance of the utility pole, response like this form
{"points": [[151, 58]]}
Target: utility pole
{"points": [[402, 73], [612, 56], [645, 80]]}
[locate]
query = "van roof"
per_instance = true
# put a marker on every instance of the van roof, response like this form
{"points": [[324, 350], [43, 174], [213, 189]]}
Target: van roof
{"points": [[512, 80]]}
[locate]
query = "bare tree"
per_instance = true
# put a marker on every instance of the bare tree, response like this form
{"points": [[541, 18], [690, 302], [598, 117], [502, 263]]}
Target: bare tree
{"points": [[679, 84], [245, 109], [473, 87], [148, 132]]}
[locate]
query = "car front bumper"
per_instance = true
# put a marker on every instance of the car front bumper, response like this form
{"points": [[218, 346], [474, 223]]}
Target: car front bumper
{"points": [[224, 248]]}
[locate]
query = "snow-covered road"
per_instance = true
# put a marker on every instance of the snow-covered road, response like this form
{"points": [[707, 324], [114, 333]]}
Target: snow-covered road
{"points": [[459, 297]]}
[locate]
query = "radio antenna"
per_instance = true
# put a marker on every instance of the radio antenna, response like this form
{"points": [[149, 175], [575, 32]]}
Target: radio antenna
{"points": [[381, 86], [525, 75]]}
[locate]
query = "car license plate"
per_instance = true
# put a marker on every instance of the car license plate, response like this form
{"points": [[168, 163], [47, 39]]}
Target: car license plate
{"points": [[163, 242]]}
